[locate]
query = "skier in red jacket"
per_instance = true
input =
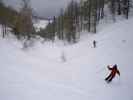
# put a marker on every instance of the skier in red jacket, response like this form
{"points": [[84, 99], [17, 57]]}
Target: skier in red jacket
{"points": [[114, 71]]}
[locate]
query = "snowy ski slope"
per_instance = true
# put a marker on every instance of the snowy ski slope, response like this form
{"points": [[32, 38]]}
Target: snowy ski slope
{"points": [[40, 74]]}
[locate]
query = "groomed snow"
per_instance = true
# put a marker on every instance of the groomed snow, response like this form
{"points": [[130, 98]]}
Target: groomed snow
{"points": [[40, 73]]}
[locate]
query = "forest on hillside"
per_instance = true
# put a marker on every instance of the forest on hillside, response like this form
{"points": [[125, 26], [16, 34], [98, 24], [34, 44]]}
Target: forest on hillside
{"points": [[76, 17]]}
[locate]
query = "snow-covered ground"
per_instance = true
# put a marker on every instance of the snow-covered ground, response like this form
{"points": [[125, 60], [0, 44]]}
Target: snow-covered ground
{"points": [[40, 24], [41, 72]]}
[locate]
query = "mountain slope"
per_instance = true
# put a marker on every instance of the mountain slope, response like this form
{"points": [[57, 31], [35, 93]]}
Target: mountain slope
{"points": [[39, 73]]}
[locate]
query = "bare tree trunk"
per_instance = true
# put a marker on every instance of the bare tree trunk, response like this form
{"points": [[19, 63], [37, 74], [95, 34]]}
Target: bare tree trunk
{"points": [[113, 7], [89, 17], [127, 12], [4, 30], [119, 7], [95, 17], [102, 10]]}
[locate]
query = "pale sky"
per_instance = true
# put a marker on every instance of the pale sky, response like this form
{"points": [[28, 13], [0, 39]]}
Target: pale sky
{"points": [[46, 8]]}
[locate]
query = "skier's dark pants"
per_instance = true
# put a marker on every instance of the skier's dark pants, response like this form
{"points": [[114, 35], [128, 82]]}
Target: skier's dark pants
{"points": [[94, 45], [109, 78]]}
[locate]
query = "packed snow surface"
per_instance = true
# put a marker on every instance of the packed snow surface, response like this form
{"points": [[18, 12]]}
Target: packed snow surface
{"points": [[52, 71]]}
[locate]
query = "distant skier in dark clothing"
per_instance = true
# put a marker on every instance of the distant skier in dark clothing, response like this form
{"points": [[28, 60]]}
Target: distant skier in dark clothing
{"points": [[94, 44], [114, 71]]}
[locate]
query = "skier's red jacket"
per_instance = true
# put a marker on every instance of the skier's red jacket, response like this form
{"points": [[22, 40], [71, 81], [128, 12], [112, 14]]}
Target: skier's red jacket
{"points": [[114, 71]]}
